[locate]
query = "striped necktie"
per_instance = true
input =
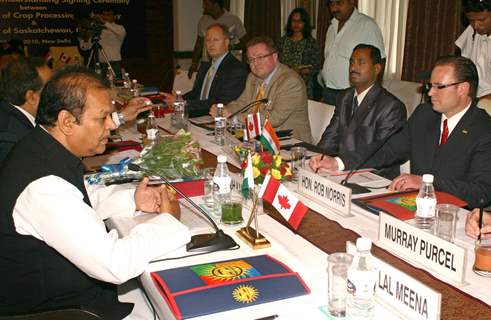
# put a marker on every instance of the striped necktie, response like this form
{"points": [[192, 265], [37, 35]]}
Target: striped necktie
{"points": [[207, 83], [260, 95]]}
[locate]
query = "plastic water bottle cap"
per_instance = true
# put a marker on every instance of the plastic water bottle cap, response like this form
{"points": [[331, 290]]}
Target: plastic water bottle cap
{"points": [[428, 178], [178, 92], [363, 244], [220, 105], [222, 158]]}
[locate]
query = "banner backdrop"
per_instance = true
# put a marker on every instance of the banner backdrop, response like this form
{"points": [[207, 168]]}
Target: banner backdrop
{"points": [[45, 23]]}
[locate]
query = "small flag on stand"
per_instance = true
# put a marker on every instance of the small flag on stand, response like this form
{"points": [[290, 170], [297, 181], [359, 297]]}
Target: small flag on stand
{"points": [[283, 200], [248, 182], [253, 125], [269, 138]]}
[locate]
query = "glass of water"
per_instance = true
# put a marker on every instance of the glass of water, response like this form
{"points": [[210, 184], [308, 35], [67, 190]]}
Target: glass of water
{"points": [[337, 274]]}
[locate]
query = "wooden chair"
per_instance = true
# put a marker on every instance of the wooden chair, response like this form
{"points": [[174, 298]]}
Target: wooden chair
{"points": [[64, 314]]}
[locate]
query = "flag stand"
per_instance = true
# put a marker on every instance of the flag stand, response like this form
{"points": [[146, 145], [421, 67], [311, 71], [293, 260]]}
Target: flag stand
{"points": [[252, 237]]}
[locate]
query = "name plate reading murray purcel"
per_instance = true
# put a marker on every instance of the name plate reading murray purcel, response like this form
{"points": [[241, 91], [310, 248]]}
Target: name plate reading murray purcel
{"points": [[403, 294], [325, 191], [423, 248]]}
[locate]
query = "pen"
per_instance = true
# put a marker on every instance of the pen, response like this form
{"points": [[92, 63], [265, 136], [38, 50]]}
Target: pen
{"points": [[322, 157], [481, 209], [271, 317]]}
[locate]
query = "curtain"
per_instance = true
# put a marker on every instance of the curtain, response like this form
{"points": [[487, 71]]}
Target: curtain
{"points": [[263, 18], [323, 22], [432, 28], [391, 17], [237, 8], [286, 7]]}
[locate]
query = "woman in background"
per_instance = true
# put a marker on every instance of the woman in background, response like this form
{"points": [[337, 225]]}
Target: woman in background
{"points": [[299, 50]]}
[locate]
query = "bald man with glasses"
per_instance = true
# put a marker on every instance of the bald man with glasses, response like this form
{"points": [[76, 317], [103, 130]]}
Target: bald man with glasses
{"points": [[449, 138]]}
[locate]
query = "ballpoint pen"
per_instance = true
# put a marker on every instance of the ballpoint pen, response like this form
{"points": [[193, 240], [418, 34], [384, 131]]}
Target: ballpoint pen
{"points": [[271, 317], [322, 157]]}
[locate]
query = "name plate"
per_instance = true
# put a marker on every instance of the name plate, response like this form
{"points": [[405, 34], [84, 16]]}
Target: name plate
{"points": [[403, 294], [422, 248], [325, 191]]}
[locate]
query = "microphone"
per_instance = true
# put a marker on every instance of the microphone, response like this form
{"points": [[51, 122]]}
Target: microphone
{"points": [[247, 106], [208, 242], [356, 188]]}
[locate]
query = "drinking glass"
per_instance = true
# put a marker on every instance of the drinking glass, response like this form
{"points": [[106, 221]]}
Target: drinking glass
{"points": [[337, 272]]}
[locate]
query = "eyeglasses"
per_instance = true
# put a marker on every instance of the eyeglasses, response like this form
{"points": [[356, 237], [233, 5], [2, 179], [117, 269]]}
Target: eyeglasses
{"points": [[259, 58], [442, 86]]}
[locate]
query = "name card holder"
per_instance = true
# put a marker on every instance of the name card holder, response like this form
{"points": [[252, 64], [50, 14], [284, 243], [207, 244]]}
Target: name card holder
{"points": [[324, 191], [402, 294], [422, 249]]}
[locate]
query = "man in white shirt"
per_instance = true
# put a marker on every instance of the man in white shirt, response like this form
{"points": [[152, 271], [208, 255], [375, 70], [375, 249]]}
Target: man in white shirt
{"points": [[348, 29], [475, 42], [213, 13], [449, 138], [55, 251], [112, 38], [20, 85]]}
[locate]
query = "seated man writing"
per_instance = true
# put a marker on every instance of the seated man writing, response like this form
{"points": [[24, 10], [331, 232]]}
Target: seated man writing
{"points": [[449, 138], [283, 87], [55, 251]]}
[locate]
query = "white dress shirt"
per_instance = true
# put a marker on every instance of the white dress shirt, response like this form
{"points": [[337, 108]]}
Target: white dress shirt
{"points": [[477, 48], [339, 46], [452, 121], [112, 38], [29, 116], [52, 210]]}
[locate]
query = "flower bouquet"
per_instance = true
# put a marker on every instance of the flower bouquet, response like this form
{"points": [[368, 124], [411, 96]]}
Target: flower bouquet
{"points": [[264, 163]]}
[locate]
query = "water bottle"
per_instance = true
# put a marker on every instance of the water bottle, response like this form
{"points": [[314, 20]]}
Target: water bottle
{"points": [[135, 88], [426, 204], [362, 279], [98, 68], [110, 78], [222, 181], [220, 126], [178, 118], [126, 80]]}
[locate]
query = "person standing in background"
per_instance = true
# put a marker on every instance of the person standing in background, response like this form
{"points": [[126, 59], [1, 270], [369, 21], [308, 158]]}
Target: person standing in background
{"points": [[299, 50]]}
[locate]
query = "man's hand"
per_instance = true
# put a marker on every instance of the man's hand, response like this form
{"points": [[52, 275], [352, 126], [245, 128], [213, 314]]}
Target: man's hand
{"points": [[472, 225], [148, 198], [134, 107], [192, 70], [169, 98], [169, 203], [406, 182], [213, 111], [323, 163]]}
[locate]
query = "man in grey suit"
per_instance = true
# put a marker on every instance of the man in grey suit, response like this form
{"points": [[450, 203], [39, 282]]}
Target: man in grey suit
{"points": [[365, 114], [283, 87]]}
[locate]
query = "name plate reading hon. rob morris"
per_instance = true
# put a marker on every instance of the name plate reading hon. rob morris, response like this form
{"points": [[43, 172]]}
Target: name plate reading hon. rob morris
{"points": [[403, 294], [422, 248], [321, 189]]}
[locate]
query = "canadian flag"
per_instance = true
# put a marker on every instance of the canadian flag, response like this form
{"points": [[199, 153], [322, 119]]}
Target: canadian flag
{"points": [[64, 58], [283, 200], [253, 124]]}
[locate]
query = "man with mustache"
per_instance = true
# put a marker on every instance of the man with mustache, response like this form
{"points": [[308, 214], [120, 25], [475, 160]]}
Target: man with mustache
{"points": [[348, 28], [365, 114], [55, 251]]}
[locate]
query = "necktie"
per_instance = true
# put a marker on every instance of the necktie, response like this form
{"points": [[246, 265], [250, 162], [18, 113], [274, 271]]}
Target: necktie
{"points": [[354, 106], [207, 83], [444, 137], [260, 95]]}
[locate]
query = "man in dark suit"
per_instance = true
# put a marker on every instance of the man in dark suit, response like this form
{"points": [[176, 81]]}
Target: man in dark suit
{"points": [[365, 113], [21, 83], [449, 138], [219, 81]]}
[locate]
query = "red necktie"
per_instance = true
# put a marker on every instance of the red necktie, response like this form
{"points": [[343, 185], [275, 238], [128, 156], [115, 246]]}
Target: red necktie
{"points": [[444, 137]]}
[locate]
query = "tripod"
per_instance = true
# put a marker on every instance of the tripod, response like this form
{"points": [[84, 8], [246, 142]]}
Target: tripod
{"points": [[94, 54]]}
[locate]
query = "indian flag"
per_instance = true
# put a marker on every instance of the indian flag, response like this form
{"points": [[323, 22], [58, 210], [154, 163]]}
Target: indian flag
{"points": [[269, 138], [290, 208], [248, 182]]}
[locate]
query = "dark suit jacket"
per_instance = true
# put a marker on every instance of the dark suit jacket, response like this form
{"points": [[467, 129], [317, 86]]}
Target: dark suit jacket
{"points": [[227, 85], [461, 166], [378, 116], [13, 126]]}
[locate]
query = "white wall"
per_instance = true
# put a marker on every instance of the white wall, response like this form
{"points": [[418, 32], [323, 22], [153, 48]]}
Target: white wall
{"points": [[186, 16]]}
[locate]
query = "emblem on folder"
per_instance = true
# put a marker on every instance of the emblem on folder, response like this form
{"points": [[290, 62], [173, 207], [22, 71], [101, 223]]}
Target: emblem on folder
{"points": [[245, 294], [214, 273]]}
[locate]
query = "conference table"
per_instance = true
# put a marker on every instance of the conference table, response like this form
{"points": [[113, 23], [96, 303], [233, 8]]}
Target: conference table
{"points": [[321, 232]]}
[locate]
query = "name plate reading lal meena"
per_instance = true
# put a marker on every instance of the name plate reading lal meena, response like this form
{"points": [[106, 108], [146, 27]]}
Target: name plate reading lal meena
{"points": [[423, 248], [321, 189], [403, 294]]}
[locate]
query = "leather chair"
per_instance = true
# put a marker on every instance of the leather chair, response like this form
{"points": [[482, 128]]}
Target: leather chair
{"points": [[65, 314]]}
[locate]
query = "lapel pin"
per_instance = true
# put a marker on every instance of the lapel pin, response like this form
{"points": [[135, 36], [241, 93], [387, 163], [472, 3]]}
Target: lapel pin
{"points": [[464, 131]]}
